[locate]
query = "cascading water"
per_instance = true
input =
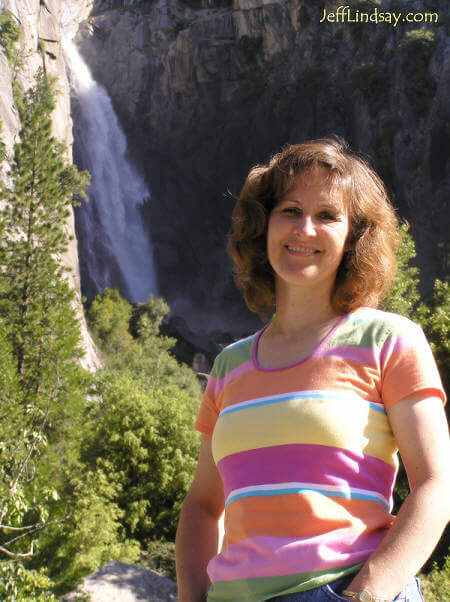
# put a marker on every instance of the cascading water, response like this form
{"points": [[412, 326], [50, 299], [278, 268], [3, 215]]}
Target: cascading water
{"points": [[114, 246]]}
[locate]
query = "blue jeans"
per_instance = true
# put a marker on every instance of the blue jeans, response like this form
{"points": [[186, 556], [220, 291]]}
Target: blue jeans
{"points": [[410, 593]]}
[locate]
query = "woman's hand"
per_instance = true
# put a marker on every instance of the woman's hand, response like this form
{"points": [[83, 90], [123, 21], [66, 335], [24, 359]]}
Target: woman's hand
{"points": [[198, 536], [420, 427]]}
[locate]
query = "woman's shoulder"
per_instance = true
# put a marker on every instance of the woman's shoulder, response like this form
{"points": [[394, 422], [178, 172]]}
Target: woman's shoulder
{"points": [[384, 321], [375, 328], [234, 354]]}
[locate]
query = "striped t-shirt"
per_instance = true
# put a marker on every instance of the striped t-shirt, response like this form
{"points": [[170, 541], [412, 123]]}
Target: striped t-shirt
{"points": [[306, 454]]}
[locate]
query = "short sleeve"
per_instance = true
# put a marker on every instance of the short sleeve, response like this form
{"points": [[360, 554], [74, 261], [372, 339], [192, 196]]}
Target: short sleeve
{"points": [[408, 366], [209, 407]]}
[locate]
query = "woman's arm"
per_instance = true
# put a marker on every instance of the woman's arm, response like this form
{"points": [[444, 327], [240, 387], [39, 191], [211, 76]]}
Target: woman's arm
{"points": [[198, 537], [420, 427]]}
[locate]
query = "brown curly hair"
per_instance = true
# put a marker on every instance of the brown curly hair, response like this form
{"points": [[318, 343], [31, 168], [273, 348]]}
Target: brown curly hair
{"points": [[368, 268]]}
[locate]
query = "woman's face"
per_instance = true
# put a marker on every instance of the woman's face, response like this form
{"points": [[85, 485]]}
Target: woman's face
{"points": [[307, 233]]}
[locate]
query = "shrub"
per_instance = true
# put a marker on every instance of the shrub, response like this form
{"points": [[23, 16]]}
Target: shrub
{"points": [[416, 50], [92, 535], [404, 295], [160, 556], [9, 35], [434, 317], [109, 318], [436, 585], [372, 83], [18, 584], [130, 340], [144, 443]]}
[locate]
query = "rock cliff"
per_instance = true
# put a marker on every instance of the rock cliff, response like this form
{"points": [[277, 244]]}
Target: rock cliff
{"points": [[207, 88], [41, 23]]}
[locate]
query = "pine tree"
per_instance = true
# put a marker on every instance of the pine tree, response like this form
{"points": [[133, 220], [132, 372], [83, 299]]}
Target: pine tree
{"points": [[34, 236], [42, 336]]}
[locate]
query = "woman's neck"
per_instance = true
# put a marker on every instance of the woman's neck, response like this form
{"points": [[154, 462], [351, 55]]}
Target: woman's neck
{"points": [[302, 310]]}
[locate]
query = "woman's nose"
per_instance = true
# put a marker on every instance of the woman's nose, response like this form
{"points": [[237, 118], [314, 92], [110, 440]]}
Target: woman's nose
{"points": [[305, 226]]}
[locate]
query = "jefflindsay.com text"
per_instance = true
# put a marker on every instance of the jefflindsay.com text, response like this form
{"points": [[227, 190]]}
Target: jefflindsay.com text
{"points": [[348, 14]]}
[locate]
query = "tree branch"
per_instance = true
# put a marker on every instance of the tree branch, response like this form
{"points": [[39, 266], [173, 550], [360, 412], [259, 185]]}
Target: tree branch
{"points": [[24, 463], [19, 528], [32, 529], [18, 555], [30, 452]]}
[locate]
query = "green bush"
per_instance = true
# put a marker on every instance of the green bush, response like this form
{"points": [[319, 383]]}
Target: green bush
{"points": [[144, 443], [130, 340], [434, 317], [92, 535], [109, 320], [404, 295], [10, 34], [18, 584], [137, 448], [41, 46], [372, 83], [160, 556], [416, 49], [436, 585]]}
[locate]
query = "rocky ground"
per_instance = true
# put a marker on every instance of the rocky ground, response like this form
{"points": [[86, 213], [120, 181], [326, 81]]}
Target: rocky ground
{"points": [[120, 582]]}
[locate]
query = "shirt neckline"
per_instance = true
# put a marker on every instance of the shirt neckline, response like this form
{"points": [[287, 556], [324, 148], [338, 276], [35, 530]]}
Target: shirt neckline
{"points": [[314, 352]]}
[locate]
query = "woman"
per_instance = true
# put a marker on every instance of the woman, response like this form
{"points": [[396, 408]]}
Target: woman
{"points": [[302, 421]]}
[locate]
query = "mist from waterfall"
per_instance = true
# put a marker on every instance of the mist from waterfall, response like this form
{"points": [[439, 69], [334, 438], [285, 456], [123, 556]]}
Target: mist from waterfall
{"points": [[114, 245]]}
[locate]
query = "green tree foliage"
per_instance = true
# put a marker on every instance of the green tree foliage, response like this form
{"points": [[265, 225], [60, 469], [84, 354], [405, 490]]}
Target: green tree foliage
{"points": [[138, 447], [154, 364], [432, 314], [3, 153], [92, 535], [9, 36], [436, 585], [144, 443], [130, 340], [19, 584], [404, 295], [109, 321], [416, 49], [435, 319], [159, 555], [43, 386], [38, 299]]}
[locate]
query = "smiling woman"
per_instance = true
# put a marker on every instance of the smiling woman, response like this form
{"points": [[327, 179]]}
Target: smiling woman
{"points": [[302, 421], [346, 184], [307, 233]]}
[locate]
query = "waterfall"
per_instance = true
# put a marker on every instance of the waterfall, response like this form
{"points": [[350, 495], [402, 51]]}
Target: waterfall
{"points": [[114, 245]]}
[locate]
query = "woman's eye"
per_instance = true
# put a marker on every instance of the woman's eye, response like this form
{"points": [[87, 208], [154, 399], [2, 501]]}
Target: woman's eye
{"points": [[292, 211], [330, 217]]}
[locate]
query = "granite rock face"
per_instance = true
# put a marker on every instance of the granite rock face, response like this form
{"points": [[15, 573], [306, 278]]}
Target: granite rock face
{"points": [[207, 88], [43, 20]]}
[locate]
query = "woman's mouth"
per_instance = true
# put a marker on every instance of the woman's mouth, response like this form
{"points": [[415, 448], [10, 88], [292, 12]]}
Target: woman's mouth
{"points": [[301, 250]]}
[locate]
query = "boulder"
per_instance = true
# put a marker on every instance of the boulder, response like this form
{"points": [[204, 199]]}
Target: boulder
{"points": [[120, 582]]}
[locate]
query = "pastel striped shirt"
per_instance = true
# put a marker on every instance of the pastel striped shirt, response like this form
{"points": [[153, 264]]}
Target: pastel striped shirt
{"points": [[306, 454]]}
